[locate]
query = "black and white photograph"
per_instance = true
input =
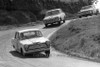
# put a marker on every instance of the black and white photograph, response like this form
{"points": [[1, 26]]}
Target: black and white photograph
{"points": [[49, 33]]}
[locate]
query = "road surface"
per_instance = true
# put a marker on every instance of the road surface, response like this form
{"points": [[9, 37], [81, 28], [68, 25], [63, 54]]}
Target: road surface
{"points": [[10, 58]]}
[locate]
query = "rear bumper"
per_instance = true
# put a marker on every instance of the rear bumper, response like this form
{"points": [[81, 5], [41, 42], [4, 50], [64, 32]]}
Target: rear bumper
{"points": [[36, 50]]}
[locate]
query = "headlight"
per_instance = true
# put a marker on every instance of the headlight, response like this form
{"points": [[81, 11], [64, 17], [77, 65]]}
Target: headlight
{"points": [[26, 47], [48, 43]]}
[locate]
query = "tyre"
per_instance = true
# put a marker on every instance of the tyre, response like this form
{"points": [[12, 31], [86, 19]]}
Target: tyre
{"points": [[86, 15], [59, 22], [80, 16], [13, 46], [22, 52], [47, 53], [97, 12], [46, 25], [63, 21]]}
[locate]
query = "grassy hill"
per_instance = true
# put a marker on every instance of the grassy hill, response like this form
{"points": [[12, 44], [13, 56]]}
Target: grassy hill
{"points": [[79, 38]]}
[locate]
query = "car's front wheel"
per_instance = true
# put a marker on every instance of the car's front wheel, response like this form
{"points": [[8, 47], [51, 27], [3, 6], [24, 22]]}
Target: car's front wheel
{"points": [[47, 53], [13, 46], [46, 25], [80, 16], [63, 21], [59, 22], [22, 52], [97, 12]]}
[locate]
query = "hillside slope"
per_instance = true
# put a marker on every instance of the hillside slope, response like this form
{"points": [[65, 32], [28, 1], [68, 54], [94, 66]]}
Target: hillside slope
{"points": [[80, 37]]}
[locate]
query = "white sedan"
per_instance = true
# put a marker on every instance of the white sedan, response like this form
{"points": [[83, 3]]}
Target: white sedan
{"points": [[30, 41]]}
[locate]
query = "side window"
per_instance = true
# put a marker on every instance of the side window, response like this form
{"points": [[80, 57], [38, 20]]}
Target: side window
{"points": [[15, 35], [60, 11], [18, 36]]}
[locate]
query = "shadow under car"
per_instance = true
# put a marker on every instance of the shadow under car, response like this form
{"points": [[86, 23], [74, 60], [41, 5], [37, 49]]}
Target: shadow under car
{"points": [[35, 55]]}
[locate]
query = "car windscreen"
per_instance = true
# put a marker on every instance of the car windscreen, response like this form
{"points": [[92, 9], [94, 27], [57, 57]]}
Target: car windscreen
{"points": [[86, 7], [31, 34], [52, 13]]}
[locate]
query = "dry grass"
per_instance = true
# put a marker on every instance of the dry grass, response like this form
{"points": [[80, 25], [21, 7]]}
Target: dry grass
{"points": [[14, 19], [80, 37], [7, 27]]}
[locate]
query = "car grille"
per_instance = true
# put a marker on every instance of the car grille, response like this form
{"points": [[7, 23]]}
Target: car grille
{"points": [[37, 46], [86, 12], [52, 20]]}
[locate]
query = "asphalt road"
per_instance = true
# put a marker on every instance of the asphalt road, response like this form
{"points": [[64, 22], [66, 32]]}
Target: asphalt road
{"points": [[10, 58]]}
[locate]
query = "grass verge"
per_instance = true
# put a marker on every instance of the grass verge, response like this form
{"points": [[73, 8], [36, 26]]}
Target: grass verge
{"points": [[79, 38], [7, 27]]}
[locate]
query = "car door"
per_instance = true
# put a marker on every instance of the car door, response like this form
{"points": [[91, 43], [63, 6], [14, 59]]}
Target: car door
{"points": [[16, 40]]}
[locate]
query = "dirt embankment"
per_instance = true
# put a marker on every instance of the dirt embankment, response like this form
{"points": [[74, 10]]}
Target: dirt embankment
{"points": [[79, 38]]}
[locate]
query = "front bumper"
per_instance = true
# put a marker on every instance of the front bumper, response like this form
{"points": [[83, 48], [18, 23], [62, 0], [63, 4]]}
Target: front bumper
{"points": [[49, 21], [85, 13], [37, 50]]}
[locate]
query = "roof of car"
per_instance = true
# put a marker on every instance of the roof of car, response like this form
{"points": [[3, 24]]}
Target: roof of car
{"points": [[87, 7], [25, 30], [53, 10]]}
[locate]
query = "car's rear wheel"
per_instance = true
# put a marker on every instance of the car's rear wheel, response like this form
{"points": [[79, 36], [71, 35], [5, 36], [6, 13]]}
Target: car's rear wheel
{"points": [[47, 53]]}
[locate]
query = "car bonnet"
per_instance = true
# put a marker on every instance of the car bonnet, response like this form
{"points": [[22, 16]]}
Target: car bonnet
{"points": [[33, 40]]}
